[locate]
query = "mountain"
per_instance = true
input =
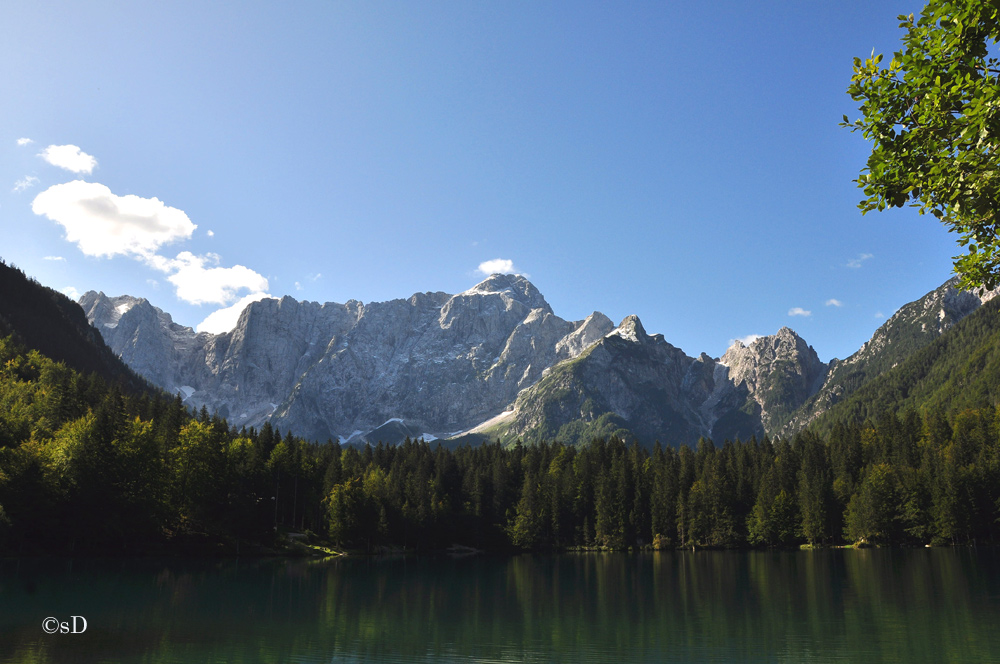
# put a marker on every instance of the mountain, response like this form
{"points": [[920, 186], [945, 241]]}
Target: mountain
{"points": [[47, 321], [496, 362], [958, 370], [436, 363], [912, 328], [634, 382], [779, 372], [631, 383]]}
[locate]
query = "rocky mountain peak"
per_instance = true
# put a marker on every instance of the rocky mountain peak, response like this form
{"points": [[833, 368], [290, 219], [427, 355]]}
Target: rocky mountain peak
{"points": [[787, 333], [108, 310], [440, 363], [779, 372], [631, 329], [513, 286]]}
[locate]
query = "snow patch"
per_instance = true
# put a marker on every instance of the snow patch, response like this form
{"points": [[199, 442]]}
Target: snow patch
{"points": [[186, 391]]}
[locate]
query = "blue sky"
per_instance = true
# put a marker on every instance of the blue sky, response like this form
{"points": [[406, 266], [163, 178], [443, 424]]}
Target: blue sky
{"points": [[679, 161]]}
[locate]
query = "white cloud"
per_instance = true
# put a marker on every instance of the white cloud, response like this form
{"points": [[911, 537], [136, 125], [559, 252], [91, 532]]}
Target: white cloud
{"points": [[799, 311], [24, 141], [224, 320], [498, 265], [832, 302], [879, 314], [71, 293], [28, 182], [747, 340], [69, 157], [53, 258], [298, 286], [210, 233], [199, 280], [103, 224], [856, 262]]}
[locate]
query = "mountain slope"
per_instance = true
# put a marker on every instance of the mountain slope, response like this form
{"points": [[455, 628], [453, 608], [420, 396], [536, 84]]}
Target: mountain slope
{"points": [[496, 362], [777, 385], [913, 327], [958, 370], [780, 372], [49, 322], [635, 382], [441, 363]]}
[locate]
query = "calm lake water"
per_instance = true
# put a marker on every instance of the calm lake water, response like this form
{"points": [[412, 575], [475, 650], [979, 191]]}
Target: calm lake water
{"points": [[933, 605]]}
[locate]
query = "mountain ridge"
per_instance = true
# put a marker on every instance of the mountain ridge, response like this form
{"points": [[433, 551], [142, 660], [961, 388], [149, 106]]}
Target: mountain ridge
{"points": [[495, 361], [441, 362]]}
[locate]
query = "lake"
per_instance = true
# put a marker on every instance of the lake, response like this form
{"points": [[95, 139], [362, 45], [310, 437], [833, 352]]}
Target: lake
{"points": [[874, 605]]}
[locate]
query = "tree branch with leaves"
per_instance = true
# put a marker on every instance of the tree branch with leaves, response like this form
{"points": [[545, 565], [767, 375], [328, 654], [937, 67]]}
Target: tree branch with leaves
{"points": [[933, 116]]}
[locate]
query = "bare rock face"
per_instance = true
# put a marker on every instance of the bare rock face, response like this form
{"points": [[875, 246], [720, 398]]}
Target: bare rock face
{"points": [[634, 381], [778, 372], [434, 363], [496, 362], [145, 337]]}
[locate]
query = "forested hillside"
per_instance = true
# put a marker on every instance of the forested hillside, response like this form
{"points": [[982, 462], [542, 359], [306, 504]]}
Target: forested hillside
{"points": [[86, 468], [957, 371], [51, 323], [92, 460]]}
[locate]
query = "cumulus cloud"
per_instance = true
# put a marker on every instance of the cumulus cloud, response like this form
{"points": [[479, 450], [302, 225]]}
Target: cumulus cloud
{"points": [[498, 265], [855, 263], [200, 280], [799, 311], [833, 302], [224, 320], [26, 183], [69, 157], [71, 293], [24, 141], [103, 224]]}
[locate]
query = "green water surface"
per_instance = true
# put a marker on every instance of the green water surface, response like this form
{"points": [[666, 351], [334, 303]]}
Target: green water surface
{"points": [[919, 605]]}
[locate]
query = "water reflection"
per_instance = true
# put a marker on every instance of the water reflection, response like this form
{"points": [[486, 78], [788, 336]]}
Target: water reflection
{"points": [[935, 605]]}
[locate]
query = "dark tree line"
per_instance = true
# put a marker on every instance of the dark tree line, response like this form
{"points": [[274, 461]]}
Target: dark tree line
{"points": [[86, 466], [900, 480]]}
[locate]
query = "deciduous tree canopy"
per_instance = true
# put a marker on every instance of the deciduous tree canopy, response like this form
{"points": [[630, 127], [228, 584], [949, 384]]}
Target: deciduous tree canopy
{"points": [[933, 114]]}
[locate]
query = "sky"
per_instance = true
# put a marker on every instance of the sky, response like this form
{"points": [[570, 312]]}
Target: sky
{"points": [[680, 161]]}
